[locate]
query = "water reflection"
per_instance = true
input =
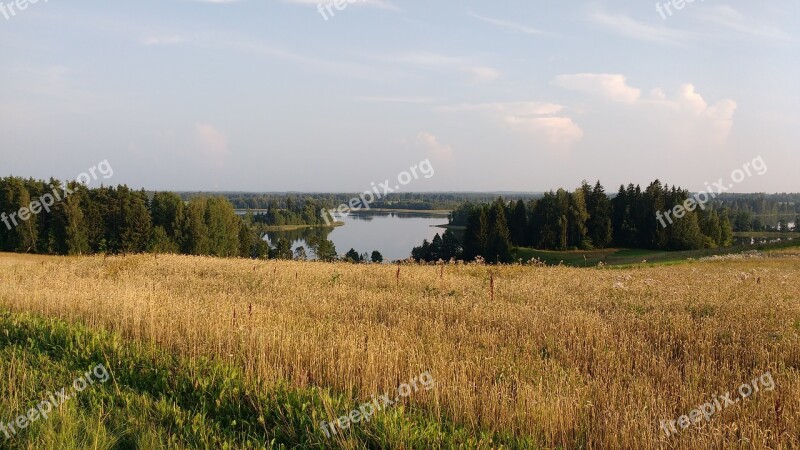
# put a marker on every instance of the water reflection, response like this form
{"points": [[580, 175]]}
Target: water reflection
{"points": [[393, 234]]}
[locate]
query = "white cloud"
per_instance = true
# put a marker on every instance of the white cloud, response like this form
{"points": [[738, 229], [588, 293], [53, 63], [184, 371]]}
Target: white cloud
{"points": [[382, 4], [684, 113], [537, 118], [691, 111], [507, 108], [482, 74], [426, 59], [211, 143], [558, 131], [611, 86], [379, 99], [632, 28], [508, 25], [732, 19], [478, 73], [163, 40], [436, 149], [723, 16], [216, 41]]}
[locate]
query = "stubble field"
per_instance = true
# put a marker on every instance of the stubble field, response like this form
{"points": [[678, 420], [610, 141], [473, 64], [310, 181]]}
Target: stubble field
{"points": [[522, 357]]}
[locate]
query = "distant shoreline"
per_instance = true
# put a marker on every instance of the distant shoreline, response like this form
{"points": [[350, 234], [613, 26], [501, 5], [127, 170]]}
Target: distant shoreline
{"points": [[451, 227], [272, 228], [427, 212]]}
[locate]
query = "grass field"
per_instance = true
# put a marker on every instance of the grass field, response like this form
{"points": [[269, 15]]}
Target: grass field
{"points": [[626, 257], [214, 353], [767, 234]]}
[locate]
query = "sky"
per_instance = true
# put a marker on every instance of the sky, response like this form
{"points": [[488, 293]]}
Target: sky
{"points": [[297, 95]]}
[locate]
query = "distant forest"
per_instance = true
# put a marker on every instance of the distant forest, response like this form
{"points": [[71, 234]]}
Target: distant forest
{"points": [[123, 220], [747, 212], [588, 218], [446, 201]]}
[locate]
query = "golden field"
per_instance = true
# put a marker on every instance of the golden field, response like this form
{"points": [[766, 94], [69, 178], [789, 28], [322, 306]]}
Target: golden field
{"points": [[577, 358]]}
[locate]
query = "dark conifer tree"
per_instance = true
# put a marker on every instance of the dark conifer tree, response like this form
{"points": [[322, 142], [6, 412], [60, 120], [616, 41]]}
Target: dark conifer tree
{"points": [[476, 234], [518, 225], [599, 224], [436, 249], [499, 248], [451, 248]]}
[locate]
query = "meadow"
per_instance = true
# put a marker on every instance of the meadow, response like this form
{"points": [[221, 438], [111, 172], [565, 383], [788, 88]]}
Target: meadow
{"points": [[632, 256], [236, 353]]}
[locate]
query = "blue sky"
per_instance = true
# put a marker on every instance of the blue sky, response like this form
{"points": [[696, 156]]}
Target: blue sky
{"points": [[268, 95]]}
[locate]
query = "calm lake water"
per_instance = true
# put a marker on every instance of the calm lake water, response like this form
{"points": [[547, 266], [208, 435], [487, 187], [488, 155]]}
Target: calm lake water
{"points": [[392, 234]]}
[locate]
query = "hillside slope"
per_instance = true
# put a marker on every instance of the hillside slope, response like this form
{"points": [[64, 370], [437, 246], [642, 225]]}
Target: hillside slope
{"points": [[522, 357]]}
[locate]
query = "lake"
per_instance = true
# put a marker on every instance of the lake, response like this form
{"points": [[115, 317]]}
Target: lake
{"points": [[393, 234]]}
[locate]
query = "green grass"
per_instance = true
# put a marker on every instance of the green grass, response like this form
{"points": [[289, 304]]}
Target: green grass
{"points": [[627, 257], [767, 234], [569, 258], [158, 400]]}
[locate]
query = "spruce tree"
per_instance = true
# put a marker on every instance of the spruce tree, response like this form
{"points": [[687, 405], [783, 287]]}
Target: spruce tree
{"points": [[518, 226], [352, 256], [436, 248], [499, 248], [599, 224], [476, 234], [451, 248], [726, 231]]}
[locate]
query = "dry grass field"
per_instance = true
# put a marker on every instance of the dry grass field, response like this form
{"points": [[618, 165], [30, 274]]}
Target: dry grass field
{"points": [[575, 358]]}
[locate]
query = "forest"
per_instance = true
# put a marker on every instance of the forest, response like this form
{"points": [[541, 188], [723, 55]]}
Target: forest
{"points": [[122, 220], [588, 218]]}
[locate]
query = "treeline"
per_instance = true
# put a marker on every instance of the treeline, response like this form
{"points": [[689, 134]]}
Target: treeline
{"points": [[747, 212], [78, 220], [409, 200], [85, 221], [761, 212], [587, 218], [444, 247], [487, 236], [761, 204], [292, 211]]}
